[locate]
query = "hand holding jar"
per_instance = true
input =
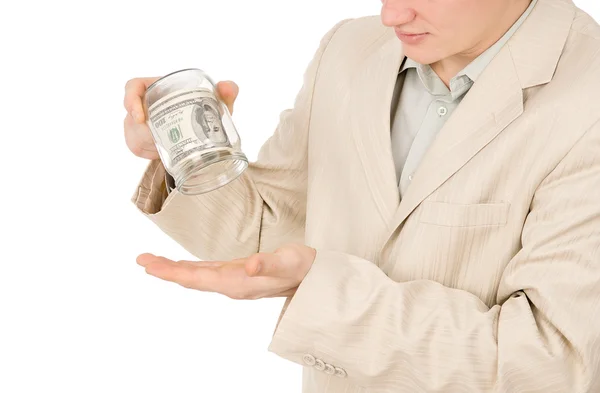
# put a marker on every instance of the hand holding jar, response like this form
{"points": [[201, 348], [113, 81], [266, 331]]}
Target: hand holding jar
{"points": [[185, 120]]}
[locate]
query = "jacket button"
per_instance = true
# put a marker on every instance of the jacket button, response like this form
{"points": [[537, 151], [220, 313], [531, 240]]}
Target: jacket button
{"points": [[319, 365], [340, 372], [329, 369], [309, 360]]}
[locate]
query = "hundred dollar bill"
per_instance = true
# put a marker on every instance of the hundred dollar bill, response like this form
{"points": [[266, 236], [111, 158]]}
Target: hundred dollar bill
{"points": [[187, 122]]}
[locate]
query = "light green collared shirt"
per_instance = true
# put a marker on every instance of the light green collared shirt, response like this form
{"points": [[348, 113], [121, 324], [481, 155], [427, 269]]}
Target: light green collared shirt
{"points": [[425, 104]]}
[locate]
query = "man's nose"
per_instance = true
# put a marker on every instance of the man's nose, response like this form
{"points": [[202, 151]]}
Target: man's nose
{"points": [[396, 12]]}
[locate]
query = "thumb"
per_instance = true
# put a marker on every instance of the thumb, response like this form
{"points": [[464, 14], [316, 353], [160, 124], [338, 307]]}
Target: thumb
{"points": [[267, 265], [228, 92]]}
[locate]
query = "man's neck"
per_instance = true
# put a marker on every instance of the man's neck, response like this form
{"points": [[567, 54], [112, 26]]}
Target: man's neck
{"points": [[449, 67]]}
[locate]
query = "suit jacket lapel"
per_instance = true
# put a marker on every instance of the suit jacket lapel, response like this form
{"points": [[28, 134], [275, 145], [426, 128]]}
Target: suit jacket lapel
{"points": [[372, 83], [494, 101], [491, 105]]}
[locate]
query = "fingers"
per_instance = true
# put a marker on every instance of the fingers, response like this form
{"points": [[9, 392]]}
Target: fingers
{"points": [[228, 92], [146, 259], [203, 263], [134, 92], [136, 88], [192, 275]]}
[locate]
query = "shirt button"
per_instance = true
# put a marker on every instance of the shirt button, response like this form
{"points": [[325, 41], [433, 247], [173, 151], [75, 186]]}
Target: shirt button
{"points": [[442, 111], [309, 360]]}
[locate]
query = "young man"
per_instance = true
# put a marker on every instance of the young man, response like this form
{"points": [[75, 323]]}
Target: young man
{"points": [[430, 206]]}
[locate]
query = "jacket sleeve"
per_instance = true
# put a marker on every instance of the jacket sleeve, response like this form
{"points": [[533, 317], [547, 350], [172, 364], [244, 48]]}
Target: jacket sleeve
{"points": [[349, 319], [262, 209]]}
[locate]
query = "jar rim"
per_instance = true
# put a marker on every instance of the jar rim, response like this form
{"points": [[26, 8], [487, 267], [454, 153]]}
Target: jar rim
{"points": [[238, 161]]}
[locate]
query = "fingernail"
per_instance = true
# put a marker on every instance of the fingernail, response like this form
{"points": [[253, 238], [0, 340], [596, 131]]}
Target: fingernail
{"points": [[136, 116], [258, 267]]}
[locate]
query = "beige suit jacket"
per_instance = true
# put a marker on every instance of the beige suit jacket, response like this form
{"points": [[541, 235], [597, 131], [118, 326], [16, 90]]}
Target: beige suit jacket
{"points": [[485, 277]]}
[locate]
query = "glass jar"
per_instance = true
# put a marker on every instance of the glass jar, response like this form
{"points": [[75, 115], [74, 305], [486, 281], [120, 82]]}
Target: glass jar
{"points": [[193, 131]]}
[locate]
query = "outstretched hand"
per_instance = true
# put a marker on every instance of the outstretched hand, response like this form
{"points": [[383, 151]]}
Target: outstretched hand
{"points": [[258, 276]]}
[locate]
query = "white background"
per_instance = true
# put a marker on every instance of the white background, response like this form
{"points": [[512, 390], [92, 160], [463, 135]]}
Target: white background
{"points": [[76, 312]]}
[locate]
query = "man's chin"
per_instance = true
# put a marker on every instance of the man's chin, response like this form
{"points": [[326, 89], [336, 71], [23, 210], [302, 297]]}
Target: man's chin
{"points": [[421, 55]]}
